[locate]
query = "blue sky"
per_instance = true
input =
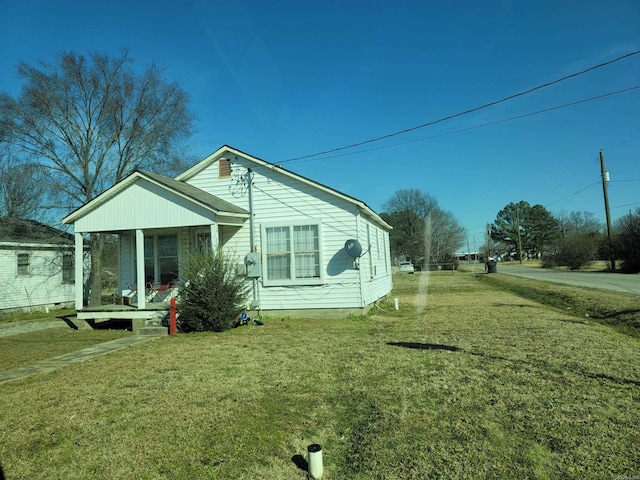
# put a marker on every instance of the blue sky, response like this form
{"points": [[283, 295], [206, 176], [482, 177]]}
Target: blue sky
{"points": [[286, 79]]}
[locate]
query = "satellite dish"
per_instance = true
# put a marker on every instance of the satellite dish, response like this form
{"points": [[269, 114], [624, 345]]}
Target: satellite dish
{"points": [[353, 248]]}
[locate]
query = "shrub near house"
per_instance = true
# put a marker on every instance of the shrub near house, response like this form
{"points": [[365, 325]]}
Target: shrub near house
{"points": [[212, 295]]}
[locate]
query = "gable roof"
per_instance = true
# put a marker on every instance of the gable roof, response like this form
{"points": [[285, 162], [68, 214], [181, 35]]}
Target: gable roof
{"points": [[226, 149], [191, 193], [206, 199], [18, 230]]}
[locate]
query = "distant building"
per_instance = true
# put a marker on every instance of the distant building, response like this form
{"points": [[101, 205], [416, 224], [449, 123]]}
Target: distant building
{"points": [[36, 266], [467, 255]]}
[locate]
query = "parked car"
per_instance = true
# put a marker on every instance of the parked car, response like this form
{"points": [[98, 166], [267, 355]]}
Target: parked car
{"points": [[406, 267]]}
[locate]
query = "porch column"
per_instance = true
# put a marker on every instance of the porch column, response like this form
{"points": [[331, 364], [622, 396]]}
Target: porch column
{"points": [[215, 238], [142, 300], [79, 270]]}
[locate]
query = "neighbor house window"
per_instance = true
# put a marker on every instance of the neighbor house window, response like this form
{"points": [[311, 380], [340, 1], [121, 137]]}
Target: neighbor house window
{"points": [[23, 264], [292, 255], [68, 273]]}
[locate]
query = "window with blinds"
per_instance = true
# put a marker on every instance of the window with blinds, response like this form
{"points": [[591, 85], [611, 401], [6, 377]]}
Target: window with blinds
{"points": [[292, 255]]}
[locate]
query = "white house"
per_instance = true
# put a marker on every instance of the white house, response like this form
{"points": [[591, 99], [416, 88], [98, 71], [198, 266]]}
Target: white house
{"points": [[289, 231], [36, 266]]}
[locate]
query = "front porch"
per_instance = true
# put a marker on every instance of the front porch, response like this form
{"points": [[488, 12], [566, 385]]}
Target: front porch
{"points": [[152, 319], [160, 222]]}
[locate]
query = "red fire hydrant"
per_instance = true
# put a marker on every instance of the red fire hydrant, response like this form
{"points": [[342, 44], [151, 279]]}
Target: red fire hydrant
{"points": [[172, 317]]}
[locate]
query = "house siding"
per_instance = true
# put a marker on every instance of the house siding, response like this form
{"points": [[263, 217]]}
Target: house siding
{"points": [[280, 199], [374, 263], [143, 205], [42, 287]]}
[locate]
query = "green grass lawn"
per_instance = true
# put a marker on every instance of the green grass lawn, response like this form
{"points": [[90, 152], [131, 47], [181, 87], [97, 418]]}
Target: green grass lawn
{"points": [[36, 316], [30, 348], [465, 380]]}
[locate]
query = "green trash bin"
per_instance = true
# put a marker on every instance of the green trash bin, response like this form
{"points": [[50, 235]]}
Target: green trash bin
{"points": [[492, 266]]}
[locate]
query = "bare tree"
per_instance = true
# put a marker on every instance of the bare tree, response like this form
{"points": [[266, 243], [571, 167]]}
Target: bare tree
{"points": [[21, 188], [91, 121], [578, 239], [627, 230], [422, 231]]}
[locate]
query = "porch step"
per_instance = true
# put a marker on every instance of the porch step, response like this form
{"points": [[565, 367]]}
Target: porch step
{"points": [[153, 331]]}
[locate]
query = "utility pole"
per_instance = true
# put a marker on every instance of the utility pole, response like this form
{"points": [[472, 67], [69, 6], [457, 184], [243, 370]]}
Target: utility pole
{"points": [[519, 236], [605, 179]]}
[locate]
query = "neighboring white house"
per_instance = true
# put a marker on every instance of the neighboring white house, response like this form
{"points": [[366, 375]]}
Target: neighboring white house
{"points": [[36, 266], [289, 231]]}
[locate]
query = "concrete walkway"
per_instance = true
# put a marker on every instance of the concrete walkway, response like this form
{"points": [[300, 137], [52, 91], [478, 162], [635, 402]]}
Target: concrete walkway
{"points": [[55, 363], [16, 328]]}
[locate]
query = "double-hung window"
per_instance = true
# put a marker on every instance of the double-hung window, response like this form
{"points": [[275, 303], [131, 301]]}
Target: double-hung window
{"points": [[24, 266], [68, 271], [292, 255], [160, 258]]}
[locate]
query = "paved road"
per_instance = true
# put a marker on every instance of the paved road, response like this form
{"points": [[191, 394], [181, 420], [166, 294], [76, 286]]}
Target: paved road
{"points": [[607, 281]]}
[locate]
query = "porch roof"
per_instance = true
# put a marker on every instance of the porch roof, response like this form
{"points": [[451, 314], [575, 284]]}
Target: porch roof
{"points": [[148, 200]]}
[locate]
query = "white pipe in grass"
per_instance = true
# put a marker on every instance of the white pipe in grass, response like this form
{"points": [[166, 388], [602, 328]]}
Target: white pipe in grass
{"points": [[315, 461], [395, 303]]}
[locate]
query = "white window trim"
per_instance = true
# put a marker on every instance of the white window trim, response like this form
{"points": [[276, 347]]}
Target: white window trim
{"points": [[293, 281], [195, 244], [154, 235], [29, 265], [70, 270]]}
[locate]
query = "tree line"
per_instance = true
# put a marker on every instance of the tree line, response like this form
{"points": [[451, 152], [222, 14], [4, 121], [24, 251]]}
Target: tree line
{"points": [[423, 232], [573, 239], [429, 236]]}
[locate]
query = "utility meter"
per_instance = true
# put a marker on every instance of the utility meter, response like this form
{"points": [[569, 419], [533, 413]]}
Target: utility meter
{"points": [[252, 262]]}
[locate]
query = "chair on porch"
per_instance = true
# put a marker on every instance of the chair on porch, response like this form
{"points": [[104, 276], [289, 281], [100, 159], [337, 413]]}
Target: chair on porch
{"points": [[154, 291], [160, 291]]}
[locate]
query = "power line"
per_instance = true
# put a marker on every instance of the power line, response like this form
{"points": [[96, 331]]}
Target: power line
{"points": [[625, 169], [575, 193], [622, 143], [626, 205], [517, 117], [466, 112]]}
